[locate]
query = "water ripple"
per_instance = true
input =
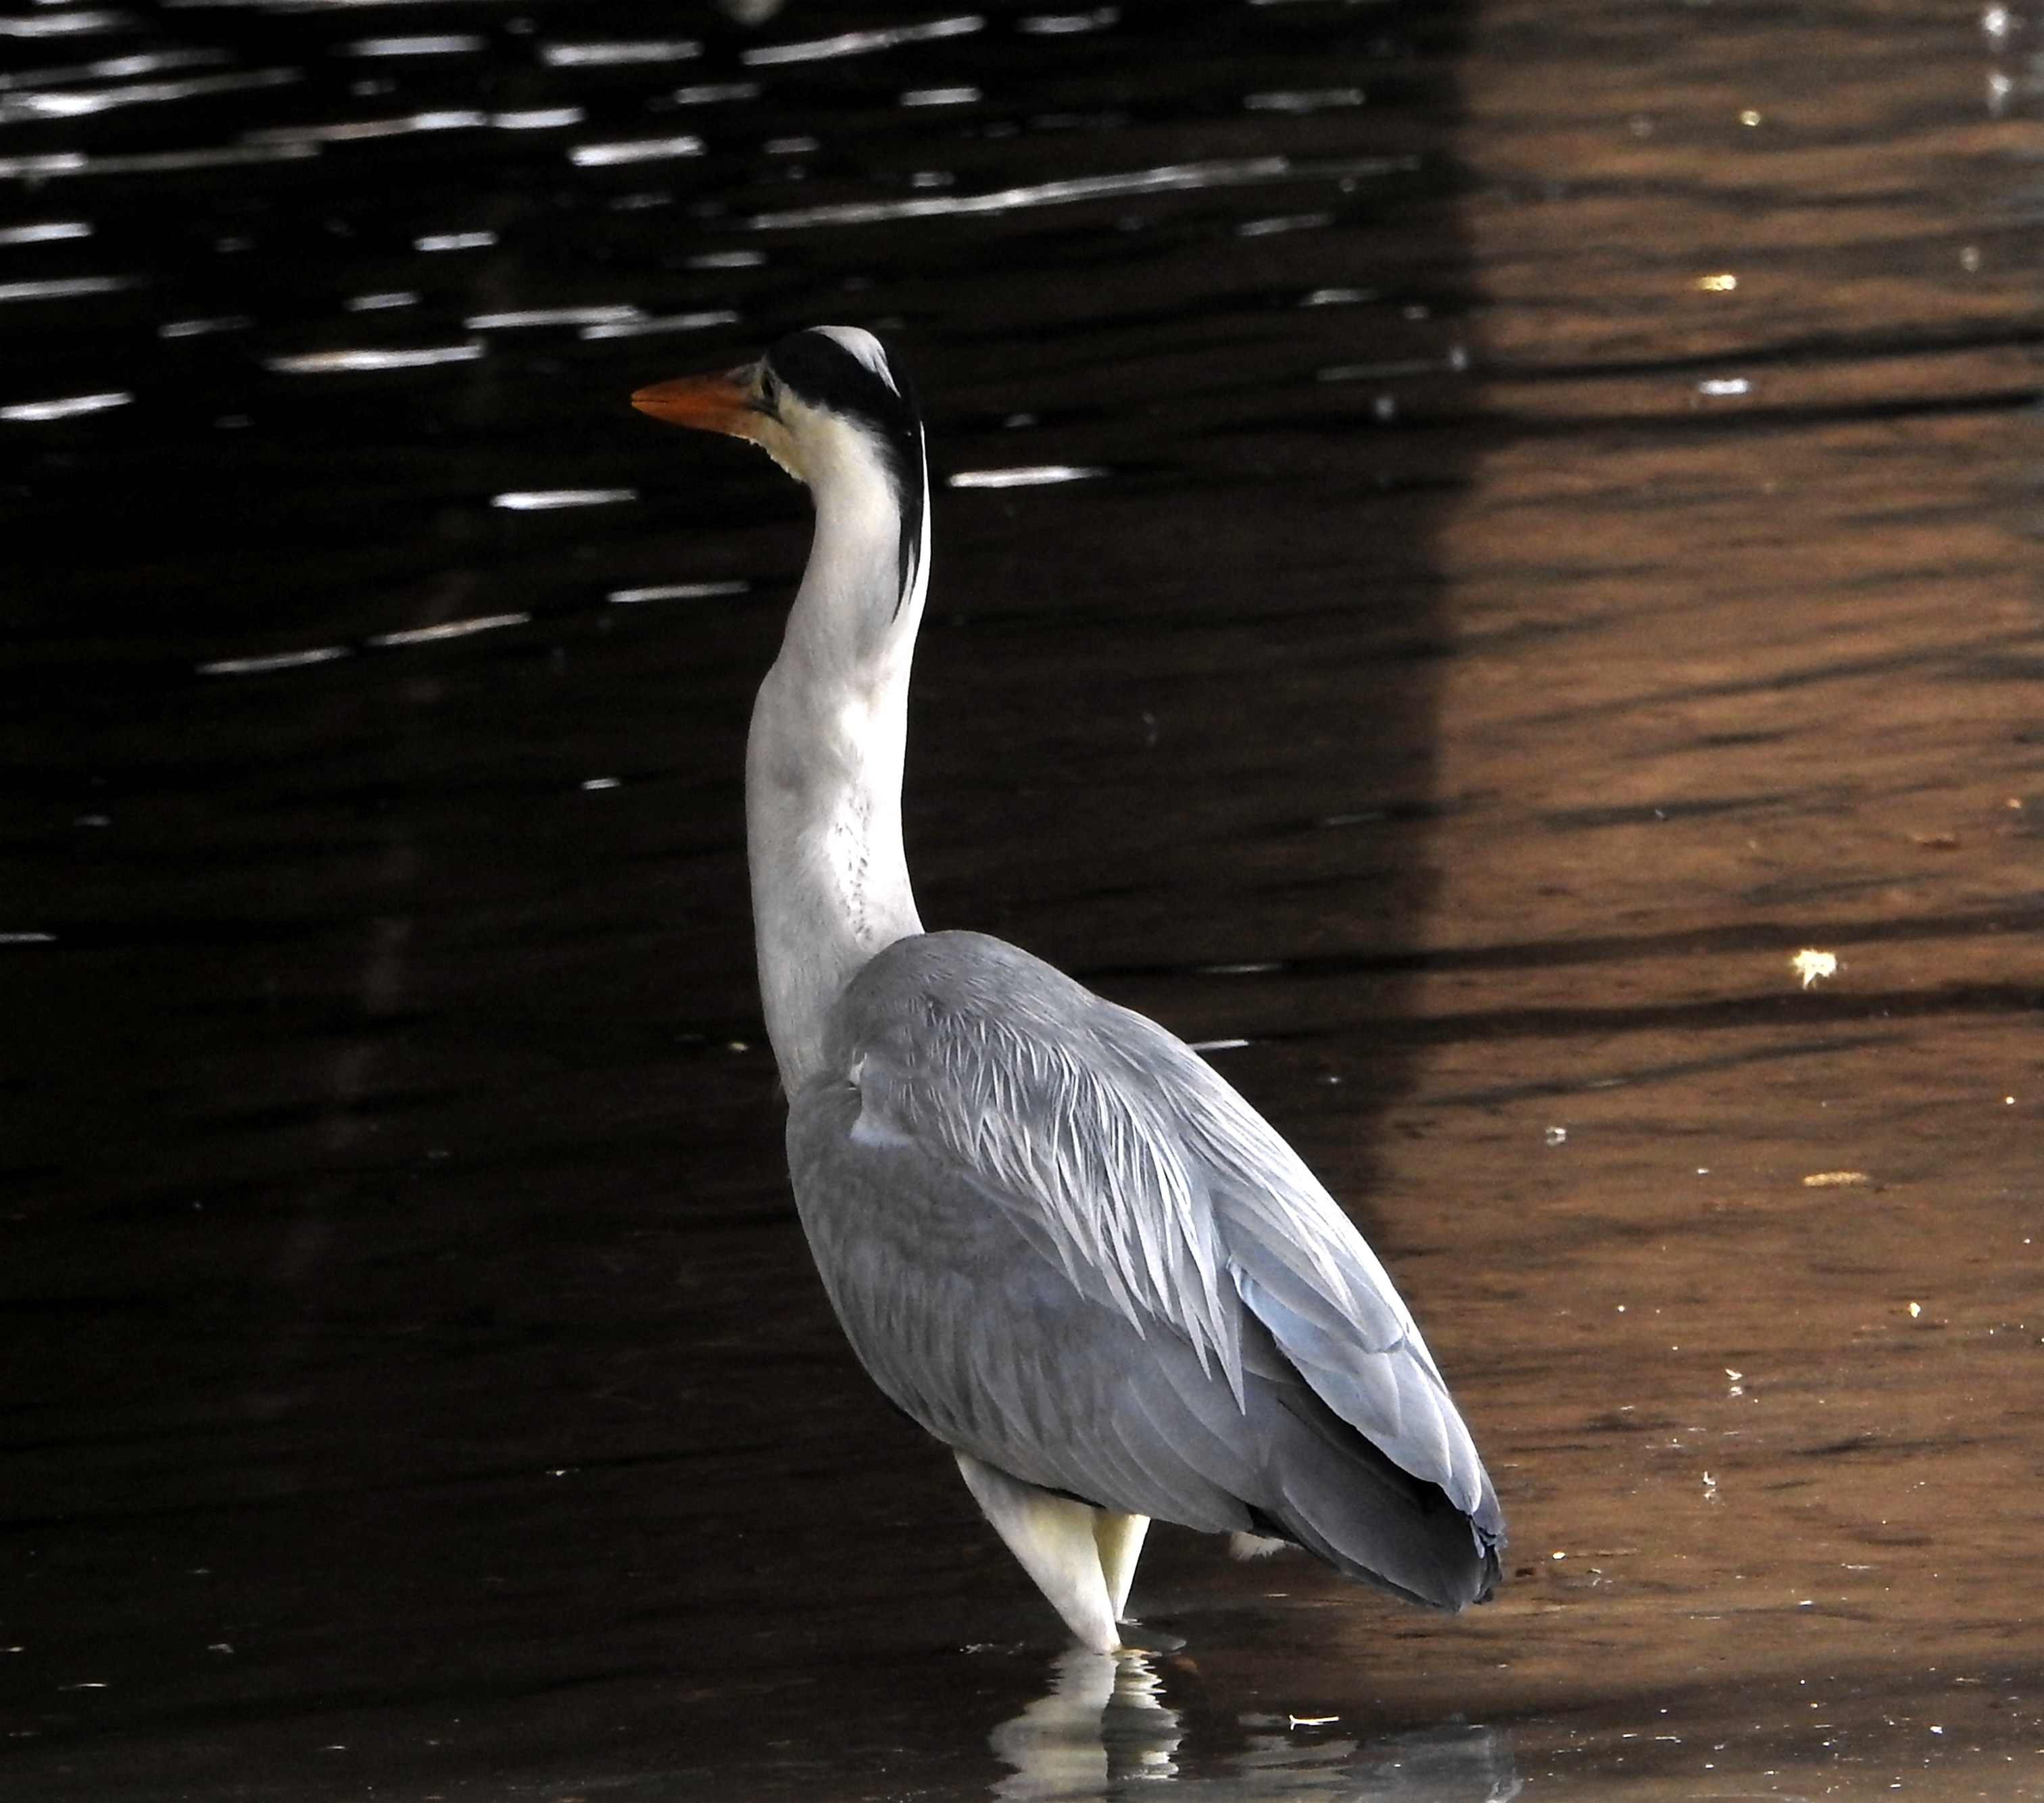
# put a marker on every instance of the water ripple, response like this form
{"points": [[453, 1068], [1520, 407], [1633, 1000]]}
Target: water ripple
{"points": [[41, 103], [350, 131], [66, 288], [663, 322], [45, 231], [678, 591], [637, 150], [548, 316], [597, 56], [541, 500], [463, 43], [66, 25], [859, 43], [450, 629], [200, 328], [153, 162], [112, 68], [1171, 178], [68, 408], [1065, 24], [327, 363], [278, 660], [1033, 475]]}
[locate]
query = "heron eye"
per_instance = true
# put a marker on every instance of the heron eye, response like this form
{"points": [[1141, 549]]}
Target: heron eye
{"points": [[769, 391]]}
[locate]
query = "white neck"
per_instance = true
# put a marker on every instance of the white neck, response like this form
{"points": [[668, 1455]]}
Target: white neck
{"points": [[823, 769]]}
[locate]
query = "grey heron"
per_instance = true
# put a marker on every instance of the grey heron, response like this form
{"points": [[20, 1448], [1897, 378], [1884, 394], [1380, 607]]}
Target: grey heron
{"points": [[1054, 1236]]}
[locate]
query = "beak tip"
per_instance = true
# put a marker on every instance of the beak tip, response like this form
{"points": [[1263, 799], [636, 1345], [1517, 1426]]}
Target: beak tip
{"points": [[712, 403]]}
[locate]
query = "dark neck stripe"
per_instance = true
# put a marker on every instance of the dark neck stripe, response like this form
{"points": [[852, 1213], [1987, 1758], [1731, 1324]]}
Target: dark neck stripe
{"points": [[912, 488]]}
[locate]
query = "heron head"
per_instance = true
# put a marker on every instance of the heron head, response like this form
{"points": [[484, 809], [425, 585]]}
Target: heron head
{"points": [[817, 397]]}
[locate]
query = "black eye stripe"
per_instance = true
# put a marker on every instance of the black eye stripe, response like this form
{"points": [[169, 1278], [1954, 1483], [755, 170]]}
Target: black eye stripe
{"points": [[816, 368]]}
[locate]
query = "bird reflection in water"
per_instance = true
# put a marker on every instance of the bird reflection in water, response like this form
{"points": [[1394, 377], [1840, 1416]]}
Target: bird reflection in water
{"points": [[1103, 1728]]}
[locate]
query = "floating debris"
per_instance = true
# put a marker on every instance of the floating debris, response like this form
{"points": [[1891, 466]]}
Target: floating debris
{"points": [[1813, 967]]}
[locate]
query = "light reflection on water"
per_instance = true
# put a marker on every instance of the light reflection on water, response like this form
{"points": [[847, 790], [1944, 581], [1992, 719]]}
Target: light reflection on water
{"points": [[1105, 1729]]}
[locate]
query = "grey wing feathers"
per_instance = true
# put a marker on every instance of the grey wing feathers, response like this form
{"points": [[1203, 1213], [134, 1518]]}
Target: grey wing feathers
{"points": [[1302, 1269], [1018, 1192]]}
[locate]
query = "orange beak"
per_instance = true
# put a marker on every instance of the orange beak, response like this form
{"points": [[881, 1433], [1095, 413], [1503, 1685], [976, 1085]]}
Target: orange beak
{"points": [[711, 403]]}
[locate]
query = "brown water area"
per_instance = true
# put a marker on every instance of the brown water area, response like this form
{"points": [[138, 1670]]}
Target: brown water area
{"points": [[1531, 662]]}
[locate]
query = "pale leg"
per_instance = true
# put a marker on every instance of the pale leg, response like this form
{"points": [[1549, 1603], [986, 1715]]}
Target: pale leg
{"points": [[1054, 1538], [1119, 1538]]}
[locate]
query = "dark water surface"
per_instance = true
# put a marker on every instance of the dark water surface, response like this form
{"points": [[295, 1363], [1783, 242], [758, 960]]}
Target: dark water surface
{"points": [[1550, 535]]}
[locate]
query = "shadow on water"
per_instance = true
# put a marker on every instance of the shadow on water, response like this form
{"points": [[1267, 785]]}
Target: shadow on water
{"points": [[418, 1382]]}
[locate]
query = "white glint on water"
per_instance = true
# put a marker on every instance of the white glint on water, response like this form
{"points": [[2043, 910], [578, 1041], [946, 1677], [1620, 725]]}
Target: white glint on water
{"points": [[329, 362], [676, 591], [279, 660], [544, 500], [201, 328], [70, 406], [860, 43], [351, 131], [536, 118], [1033, 475], [661, 322], [611, 55], [67, 288], [45, 232], [450, 629], [461, 43], [1305, 100], [635, 150], [1176, 177], [550, 316], [708, 94], [1067, 25]]}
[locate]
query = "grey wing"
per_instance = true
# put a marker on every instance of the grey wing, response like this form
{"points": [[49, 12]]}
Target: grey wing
{"points": [[1303, 1270], [1059, 1240], [967, 1322]]}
